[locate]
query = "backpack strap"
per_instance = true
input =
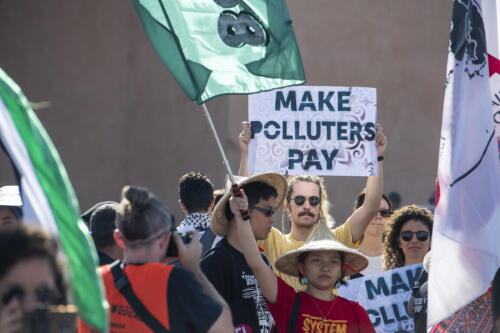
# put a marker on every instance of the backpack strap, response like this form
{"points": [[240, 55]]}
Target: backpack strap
{"points": [[123, 285], [292, 323], [207, 240]]}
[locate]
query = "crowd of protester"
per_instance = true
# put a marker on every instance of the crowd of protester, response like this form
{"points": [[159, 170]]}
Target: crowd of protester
{"points": [[224, 267]]}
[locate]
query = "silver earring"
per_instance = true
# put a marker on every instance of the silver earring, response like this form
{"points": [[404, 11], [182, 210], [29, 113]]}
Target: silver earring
{"points": [[304, 281]]}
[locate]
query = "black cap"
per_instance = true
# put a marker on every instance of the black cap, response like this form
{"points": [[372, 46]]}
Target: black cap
{"points": [[86, 216]]}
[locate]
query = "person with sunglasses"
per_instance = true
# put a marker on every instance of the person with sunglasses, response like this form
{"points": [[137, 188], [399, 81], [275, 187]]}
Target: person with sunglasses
{"points": [[226, 267], [372, 245], [321, 263], [408, 236], [30, 275], [306, 203]]}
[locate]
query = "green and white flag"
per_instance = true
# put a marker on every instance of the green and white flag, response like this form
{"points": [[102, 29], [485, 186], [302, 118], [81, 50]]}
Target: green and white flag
{"points": [[49, 200], [217, 47]]}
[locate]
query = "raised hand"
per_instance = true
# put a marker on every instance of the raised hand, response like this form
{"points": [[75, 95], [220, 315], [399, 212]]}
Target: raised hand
{"points": [[380, 140]]}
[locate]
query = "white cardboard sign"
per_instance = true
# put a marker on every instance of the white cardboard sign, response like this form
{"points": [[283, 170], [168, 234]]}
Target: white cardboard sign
{"points": [[384, 296], [314, 130]]}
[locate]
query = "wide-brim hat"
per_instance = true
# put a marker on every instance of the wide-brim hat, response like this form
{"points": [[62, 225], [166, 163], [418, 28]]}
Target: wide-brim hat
{"points": [[322, 239], [10, 196], [220, 224]]}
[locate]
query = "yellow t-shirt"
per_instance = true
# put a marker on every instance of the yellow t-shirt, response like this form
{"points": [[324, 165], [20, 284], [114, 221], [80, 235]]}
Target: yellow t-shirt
{"points": [[277, 244]]}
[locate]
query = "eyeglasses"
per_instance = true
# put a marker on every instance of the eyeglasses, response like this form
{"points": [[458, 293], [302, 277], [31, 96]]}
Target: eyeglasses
{"points": [[300, 200], [385, 212], [266, 211], [408, 235]]}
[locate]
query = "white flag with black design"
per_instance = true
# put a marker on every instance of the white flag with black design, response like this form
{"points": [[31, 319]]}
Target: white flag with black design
{"points": [[465, 244]]}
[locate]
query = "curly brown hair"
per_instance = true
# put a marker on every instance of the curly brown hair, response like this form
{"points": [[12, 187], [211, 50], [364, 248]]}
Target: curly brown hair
{"points": [[393, 255]]}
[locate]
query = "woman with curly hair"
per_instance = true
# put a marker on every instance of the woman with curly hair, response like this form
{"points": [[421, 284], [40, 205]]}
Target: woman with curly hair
{"points": [[408, 236]]}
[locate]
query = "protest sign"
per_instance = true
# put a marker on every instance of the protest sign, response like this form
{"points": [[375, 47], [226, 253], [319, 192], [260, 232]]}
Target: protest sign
{"points": [[385, 296], [314, 130]]}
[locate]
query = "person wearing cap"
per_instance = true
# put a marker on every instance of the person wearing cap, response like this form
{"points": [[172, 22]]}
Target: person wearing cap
{"points": [[144, 293], [321, 263], [307, 202], [88, 213], [225, 265], [102, 230], [10, 205]]}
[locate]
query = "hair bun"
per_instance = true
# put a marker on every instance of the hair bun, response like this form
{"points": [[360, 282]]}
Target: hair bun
{"points": [[137, 196]]}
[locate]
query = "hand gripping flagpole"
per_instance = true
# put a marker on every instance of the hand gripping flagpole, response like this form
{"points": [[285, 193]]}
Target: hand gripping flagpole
{"points": [[234, 186]]}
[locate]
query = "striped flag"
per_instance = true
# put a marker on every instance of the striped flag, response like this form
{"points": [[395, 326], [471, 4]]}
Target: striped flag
{"points": [[48, 198], [465, 246]]}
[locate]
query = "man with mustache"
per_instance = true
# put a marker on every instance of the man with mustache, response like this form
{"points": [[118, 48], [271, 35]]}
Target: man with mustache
{"points": [[307, 202]]}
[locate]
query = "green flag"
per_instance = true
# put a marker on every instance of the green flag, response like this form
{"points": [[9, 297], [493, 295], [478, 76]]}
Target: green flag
{"points": [[49, 200], [217, 47]]}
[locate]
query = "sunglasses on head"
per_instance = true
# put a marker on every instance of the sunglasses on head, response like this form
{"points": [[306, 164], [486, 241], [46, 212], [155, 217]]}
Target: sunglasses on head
{"points": [[300, 200], [385, 212], [408, 235], [266, 211]]}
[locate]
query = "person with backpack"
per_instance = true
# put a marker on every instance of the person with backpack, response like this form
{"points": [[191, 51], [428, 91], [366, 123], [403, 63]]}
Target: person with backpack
{"points": [[196, 200], [144, 293]]}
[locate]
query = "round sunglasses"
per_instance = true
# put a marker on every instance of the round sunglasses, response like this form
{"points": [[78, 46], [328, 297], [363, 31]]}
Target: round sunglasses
{"points": [[385, 212], [408, 235], [300, 200], [266, 211]]}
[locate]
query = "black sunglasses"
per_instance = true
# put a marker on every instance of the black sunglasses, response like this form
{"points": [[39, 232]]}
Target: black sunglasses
{"points": [[408, 235], [300, 200], [266, 211], [385, 212]]}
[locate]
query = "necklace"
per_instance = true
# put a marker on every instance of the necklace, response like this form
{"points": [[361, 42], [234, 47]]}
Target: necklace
{"points": [[319, 309]]}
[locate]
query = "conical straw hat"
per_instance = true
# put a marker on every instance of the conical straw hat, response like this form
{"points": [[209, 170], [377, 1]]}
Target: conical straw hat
{"points": [[322, 239], [220, 224]]}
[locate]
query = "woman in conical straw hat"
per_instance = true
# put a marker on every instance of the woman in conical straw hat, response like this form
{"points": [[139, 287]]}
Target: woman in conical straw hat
{"points": [[321, 263]]}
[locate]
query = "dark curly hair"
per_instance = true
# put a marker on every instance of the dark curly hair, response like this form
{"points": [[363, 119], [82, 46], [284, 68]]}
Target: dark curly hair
{"points": [[196, 192], [393, 255]]}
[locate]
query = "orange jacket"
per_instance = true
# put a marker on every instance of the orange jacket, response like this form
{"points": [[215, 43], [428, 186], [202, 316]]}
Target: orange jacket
{"points": [[150, 284]]}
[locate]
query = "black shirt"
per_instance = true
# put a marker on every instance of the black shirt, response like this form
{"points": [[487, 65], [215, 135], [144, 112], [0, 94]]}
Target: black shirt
{"points": [[420, 303], [191, 309], [230, 274], [104, 259]]}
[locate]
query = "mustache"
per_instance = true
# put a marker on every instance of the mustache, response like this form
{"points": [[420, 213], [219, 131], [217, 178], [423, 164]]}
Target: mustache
{"points": [[306, 212]]}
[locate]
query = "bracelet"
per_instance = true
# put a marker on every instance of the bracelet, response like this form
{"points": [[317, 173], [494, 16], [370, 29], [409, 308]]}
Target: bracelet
{"points": [[380, 158]]}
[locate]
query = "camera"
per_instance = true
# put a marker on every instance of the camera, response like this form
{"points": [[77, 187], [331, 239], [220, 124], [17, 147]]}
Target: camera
{"points": [[46, 318], [172, 250]]}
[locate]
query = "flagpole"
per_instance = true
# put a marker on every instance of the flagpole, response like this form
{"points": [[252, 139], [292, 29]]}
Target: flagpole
{"points": [[214, 131], [234, 187]]}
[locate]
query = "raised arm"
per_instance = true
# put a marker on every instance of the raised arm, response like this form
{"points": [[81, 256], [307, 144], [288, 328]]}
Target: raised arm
{"points": [[268, 282], [362, 216], [244, 141]]}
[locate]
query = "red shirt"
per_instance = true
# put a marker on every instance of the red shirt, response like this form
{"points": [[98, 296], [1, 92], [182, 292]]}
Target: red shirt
{"points": [[345, 316]]}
